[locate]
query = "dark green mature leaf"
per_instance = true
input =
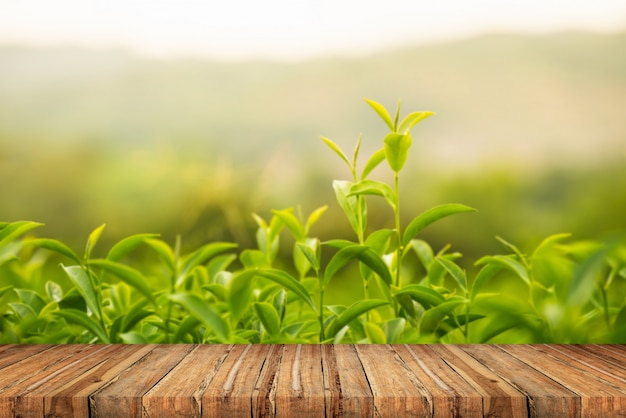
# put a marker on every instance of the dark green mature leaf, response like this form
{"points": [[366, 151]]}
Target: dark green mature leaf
{"points": [[373, 162], [352, 312], [84, 285], [15, 229], [337, 150], [411, 120], [362, 253], [288, 282], [397, 149], [430, 216], [376, 188], [269, 318], [455, 271], [75, 317], [382, 112], [205, 314], [128, 244], [57, 247], [127, 274]]}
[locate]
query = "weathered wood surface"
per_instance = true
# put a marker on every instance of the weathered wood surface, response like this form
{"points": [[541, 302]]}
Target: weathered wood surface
{"points": [[312, 381]]}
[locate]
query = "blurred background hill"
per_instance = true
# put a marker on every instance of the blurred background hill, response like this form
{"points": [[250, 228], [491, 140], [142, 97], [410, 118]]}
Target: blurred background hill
{"points": [[529, 129]]}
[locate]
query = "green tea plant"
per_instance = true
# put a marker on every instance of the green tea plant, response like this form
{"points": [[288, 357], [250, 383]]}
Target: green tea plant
{"points": [[145, 290]]}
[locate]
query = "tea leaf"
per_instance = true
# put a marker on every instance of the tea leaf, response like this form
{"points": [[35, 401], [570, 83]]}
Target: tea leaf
{"points": [[397, 149], [363, 254], [127, 274], [314, 217], [382, 112], [269, 318], [93, 240], [15, 229], [374, 333], [352, 312], [424, 252], [56, 246], [510, 263], [288, 282], [75, 317], [373, 162], [84, 285], [337, 150], [376, 188], [53, 290], [201, 255], [455, 271], [430, 216], [411, 120], [240, 293], [164, 251], [205, 314], [433, 317], [486, 273], [292, 223], [310, 253], [349, 204], [393, 330], [423, 295], [128, 244]]}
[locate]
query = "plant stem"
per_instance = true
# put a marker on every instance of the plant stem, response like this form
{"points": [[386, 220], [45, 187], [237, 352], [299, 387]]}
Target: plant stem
{"points": [[400, 247], [321, 317]]}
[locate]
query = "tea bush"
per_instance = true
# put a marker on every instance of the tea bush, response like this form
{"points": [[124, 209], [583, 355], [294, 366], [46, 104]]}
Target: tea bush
{"points": [[564, 291]]}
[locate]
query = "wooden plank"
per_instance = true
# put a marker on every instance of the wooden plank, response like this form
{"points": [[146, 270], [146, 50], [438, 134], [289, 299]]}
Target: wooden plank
{"points": [[397, 391], [179, 393], [122, 396], [598, 361], [599, 398], [27, 374], [12, 353], [299, 383], [546, 398], [229, 394], [263, 396], [616, 354], [499, 398], [451, 395], [30, 395], [348, 390], [71, 398]]}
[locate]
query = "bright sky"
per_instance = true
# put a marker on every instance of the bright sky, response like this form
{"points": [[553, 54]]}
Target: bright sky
{"points": [[287, 29]]}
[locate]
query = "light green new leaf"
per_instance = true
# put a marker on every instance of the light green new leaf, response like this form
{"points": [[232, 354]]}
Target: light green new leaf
{"points": [[508, 262], [423, 251], [288, 282], [363, 254], [127, 274], [93, 240], [128, 244], [240, 293], [164, 251], [586, 276], [374, 333], [393, 329], [350, 205], [85, 287], [352, 312], [31, 298], [486, 273], [337, 150], [382, 112], [205, 314], [455, 271], [15, 229], [430, 216], [57, 247], [397, 149], [311, 250], [202, 255], [549, 242], [269, 318], [75, 317], [376, 158], [376, 188], [411, 120], [314, 217], [294, 225]]}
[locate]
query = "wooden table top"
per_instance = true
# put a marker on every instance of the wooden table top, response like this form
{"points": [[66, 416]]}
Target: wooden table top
{"points": [[312, 380]]}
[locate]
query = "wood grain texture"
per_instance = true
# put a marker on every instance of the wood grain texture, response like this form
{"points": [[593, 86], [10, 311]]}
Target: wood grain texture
{"points": [[312, 381]]}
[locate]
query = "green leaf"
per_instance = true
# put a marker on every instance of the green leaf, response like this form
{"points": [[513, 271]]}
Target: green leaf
{"points": [[15, 229], [510, 263], [397, 149], [455, 271], [202, 255], [127, 274], [269, 318], [84, 285], [434, 316], [374, 333], [430, 216], [382, 112], [310, 253], [31, 298], [337, 150], [5, 290], [164, 251], [288, 282], [424, 252], [352, 312], [376, 158], [75, 317], [486, 273], [287, 216], [376, 188], [423, 295], [240, 293], [314, 217], [350, 205], [93, 240], [205, 314], [585, 278], [363, 254], [393, 329], [549, 242], [57, 247], [128, 244], [411, 120], [254, 259]]}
